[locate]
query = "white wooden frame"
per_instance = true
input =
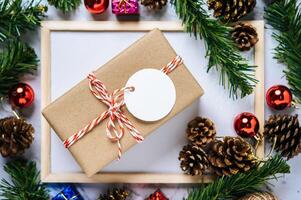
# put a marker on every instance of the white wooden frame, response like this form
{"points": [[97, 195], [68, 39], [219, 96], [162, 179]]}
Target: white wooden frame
{"points": [[169, 26]]}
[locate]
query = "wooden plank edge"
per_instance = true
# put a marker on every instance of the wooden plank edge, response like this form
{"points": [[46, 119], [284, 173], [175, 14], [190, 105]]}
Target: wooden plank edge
{"points": [[127, 178], [112, 25], [45, 100], [260, 90]]}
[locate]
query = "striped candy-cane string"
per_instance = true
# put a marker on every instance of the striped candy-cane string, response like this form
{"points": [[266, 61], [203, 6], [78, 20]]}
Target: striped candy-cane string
{"points": [[114, 101], [172, 65]]}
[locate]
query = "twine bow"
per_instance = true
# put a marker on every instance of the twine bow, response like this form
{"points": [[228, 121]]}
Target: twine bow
{"points": [[65, 198], [124, 3], [115, 102]]}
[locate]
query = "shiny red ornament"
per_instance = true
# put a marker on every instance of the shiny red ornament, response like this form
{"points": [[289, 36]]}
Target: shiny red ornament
{"points": [[21, 95], [279, 97], [246, 124], [157, 195], [96, 6]]}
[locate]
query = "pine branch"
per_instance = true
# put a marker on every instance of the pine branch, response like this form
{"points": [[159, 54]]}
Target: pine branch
{"points": [[285, 17], [231, 187], [17, 17], [15, 61], [65, 5], [25, 183], [235, 72]]}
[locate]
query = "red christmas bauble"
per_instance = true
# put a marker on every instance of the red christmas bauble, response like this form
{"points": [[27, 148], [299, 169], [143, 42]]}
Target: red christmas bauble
{"points": [[246, 124], [279, 97], [21, 95], [96, 6], [157, 195]]}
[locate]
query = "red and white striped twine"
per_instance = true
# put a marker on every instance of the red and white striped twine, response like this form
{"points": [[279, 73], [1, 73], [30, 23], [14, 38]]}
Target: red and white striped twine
{"points": [[115, 102], [172, 65]]}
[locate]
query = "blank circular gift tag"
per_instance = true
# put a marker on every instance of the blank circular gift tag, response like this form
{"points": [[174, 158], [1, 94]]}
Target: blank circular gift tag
{"points": [[154, 95]]}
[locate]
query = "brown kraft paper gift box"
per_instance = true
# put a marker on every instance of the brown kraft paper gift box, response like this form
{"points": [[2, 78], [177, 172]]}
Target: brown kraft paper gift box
{"points": [[77, 107]]}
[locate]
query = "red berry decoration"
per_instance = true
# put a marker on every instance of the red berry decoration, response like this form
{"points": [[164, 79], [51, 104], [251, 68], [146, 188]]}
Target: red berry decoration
{"points": [[21, 95], [279, 97], [96, 6], [157, 195], [246, 124]]}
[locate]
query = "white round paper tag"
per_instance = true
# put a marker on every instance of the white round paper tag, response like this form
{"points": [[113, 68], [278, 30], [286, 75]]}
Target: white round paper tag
{"points": [[154, 95]]}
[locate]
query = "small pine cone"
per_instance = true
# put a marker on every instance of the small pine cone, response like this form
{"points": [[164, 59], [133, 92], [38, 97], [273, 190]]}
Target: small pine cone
{"points": [[259, 196], [154, 4], [231, 10], [230, 156], [16, 136], [201, 131], [244, 35], [286, 131], [193, 160], [114, 194]]}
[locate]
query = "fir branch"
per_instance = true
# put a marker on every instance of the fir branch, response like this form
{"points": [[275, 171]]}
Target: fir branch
{"points": [[65, 5], [231, 187], [235, 72], [17, 17], [25, 183], [16, 60], [285, 17]]}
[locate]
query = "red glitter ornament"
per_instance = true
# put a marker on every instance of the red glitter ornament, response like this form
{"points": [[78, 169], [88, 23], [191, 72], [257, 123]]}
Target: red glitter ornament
{"points": [[157, 195], [21, 95], [246, 125], [279, 97], [96, 6]]}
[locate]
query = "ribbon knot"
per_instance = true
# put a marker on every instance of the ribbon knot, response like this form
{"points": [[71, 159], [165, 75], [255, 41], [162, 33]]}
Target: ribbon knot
{"points": [[117, 122]]}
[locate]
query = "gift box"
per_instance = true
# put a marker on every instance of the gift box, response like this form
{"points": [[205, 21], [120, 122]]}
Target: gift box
{"points": [[124, 7], [76, 108], [69, 193]]}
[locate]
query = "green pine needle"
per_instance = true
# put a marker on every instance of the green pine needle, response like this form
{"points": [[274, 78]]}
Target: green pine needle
{"points": [[285, 17], [235, 72], [231, 187], [65, 5], [25, 183], [16, 60], [17, 17]]}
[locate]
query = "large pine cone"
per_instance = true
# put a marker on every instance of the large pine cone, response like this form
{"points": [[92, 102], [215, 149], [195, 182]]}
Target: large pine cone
{"points": [[16, 136], [114, 194], [231, 10], [244, 35], [201, 131], [259, 196], [230, 156], [286, 131], [154, 4], [193, 160]]}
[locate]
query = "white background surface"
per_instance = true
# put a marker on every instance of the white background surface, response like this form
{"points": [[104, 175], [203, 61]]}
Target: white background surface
{"points": [[287, 188]]}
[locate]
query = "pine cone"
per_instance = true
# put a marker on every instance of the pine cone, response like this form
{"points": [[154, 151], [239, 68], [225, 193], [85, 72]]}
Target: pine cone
{"points": [[193, 160], [114, 194], [201, 131], [259, 196], [231, 10], [16, 136], [154, 4], [287, 132], [244, 35], [230, 156]]}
